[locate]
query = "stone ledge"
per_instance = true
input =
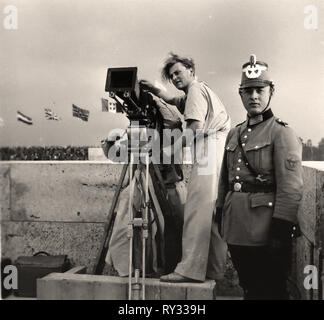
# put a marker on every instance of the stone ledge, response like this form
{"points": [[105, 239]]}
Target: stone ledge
{"points": [[71, 286]]}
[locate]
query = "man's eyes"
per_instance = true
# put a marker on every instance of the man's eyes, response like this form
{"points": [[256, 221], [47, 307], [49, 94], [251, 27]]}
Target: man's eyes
{"points": [[251, 91], [176, 73]]}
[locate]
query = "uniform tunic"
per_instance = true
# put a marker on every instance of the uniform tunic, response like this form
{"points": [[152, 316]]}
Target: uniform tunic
{"points": [[203, 251], [274, 150]]}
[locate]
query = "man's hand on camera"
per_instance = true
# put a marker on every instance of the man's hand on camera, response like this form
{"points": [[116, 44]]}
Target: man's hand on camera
{"points": [[147, 85], [155, 98]]}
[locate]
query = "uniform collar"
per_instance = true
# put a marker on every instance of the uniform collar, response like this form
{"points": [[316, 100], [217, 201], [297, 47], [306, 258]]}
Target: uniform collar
{"points": [[259, 118]]}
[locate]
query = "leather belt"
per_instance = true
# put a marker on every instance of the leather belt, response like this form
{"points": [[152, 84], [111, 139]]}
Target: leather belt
{"points": [[253, 188]]}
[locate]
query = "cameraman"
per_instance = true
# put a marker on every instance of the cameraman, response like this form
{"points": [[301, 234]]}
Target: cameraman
{"points": [[203, 251]]}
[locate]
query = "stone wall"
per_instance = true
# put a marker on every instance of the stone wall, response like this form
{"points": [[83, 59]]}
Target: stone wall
{"points": [[309, 247], [61, 208], [58, 207]]}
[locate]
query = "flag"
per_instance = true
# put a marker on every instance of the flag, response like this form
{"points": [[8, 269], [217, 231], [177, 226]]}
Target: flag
{"points": [[50, 115], [23, 118], [109, 105], [104, 103], [80, 113]]}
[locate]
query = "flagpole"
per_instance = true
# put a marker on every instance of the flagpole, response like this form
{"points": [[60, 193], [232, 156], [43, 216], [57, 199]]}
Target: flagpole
{"points": [[42, 129]]}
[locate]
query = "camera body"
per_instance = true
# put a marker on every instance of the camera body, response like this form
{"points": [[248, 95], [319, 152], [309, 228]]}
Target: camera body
{"points": [[138, 105]]}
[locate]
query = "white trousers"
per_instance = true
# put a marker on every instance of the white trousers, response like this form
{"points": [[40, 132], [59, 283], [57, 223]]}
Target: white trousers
{"points": [[203, 251]]}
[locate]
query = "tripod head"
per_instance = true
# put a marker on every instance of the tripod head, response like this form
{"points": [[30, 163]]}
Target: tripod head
{"points": [[139, 139]]}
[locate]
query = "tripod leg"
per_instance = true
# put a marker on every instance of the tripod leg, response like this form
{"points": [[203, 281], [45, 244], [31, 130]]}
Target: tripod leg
{"points": [[130, 226], [145, 224], [100, 260]]}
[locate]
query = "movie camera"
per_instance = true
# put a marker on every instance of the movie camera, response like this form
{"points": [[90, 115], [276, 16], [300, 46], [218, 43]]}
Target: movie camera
{"points": [[131, 98]]}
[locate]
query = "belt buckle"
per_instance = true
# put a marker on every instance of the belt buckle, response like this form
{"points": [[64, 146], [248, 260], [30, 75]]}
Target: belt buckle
{"points": [[237, 186]]}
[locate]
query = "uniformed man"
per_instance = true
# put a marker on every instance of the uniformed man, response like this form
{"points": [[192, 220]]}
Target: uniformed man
{"points": [[260, 190]]}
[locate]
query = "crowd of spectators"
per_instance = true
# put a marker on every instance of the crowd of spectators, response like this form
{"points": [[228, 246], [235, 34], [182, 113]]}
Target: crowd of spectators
{"points": [[43, 153]]}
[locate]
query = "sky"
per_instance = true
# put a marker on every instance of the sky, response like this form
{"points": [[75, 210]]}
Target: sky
{"points": [[61, 50]]}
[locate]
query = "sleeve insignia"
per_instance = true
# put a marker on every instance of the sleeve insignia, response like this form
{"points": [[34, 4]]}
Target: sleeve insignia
{"points": [[292, 162]]}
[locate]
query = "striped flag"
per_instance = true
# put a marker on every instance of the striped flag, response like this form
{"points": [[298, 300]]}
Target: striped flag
{"points": [[104, 103], [109, 105], [50, 115], [80, 113], [23, 118]]}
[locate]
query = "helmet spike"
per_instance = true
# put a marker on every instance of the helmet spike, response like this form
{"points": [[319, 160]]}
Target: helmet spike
{"points": [[252, 59]]}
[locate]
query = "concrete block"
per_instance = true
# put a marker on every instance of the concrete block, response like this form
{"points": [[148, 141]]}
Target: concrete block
{"points": [[71, 289], [82, 242], [173, 291], [69, 286], [304, 257], [47, 289], [153, 290], [111, 288], [197, 291], [4, 192], [63, 286], [316, 294], [307, 209], [27, 238], [319, 235], [62, 191]]}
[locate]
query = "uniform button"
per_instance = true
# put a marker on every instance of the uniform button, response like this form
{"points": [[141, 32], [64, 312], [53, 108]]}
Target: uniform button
{"points": [[227, 148], [238, 169], [256, 147], [245, 137], [270, 204], [243, 144], [246, 164], [294, 228], [237, 177], [239, 160], [249, 130]]}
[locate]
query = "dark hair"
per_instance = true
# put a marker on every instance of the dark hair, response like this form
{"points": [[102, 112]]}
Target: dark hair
{"points": [[173, 59]]}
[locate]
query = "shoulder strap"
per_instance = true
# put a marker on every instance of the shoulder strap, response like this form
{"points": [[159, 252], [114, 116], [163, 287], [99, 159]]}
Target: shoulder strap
{"points": [[283, 123], [245, 159]]}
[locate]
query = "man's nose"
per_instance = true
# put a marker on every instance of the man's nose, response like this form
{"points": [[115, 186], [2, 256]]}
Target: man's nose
{"points": [[254, 94]]}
